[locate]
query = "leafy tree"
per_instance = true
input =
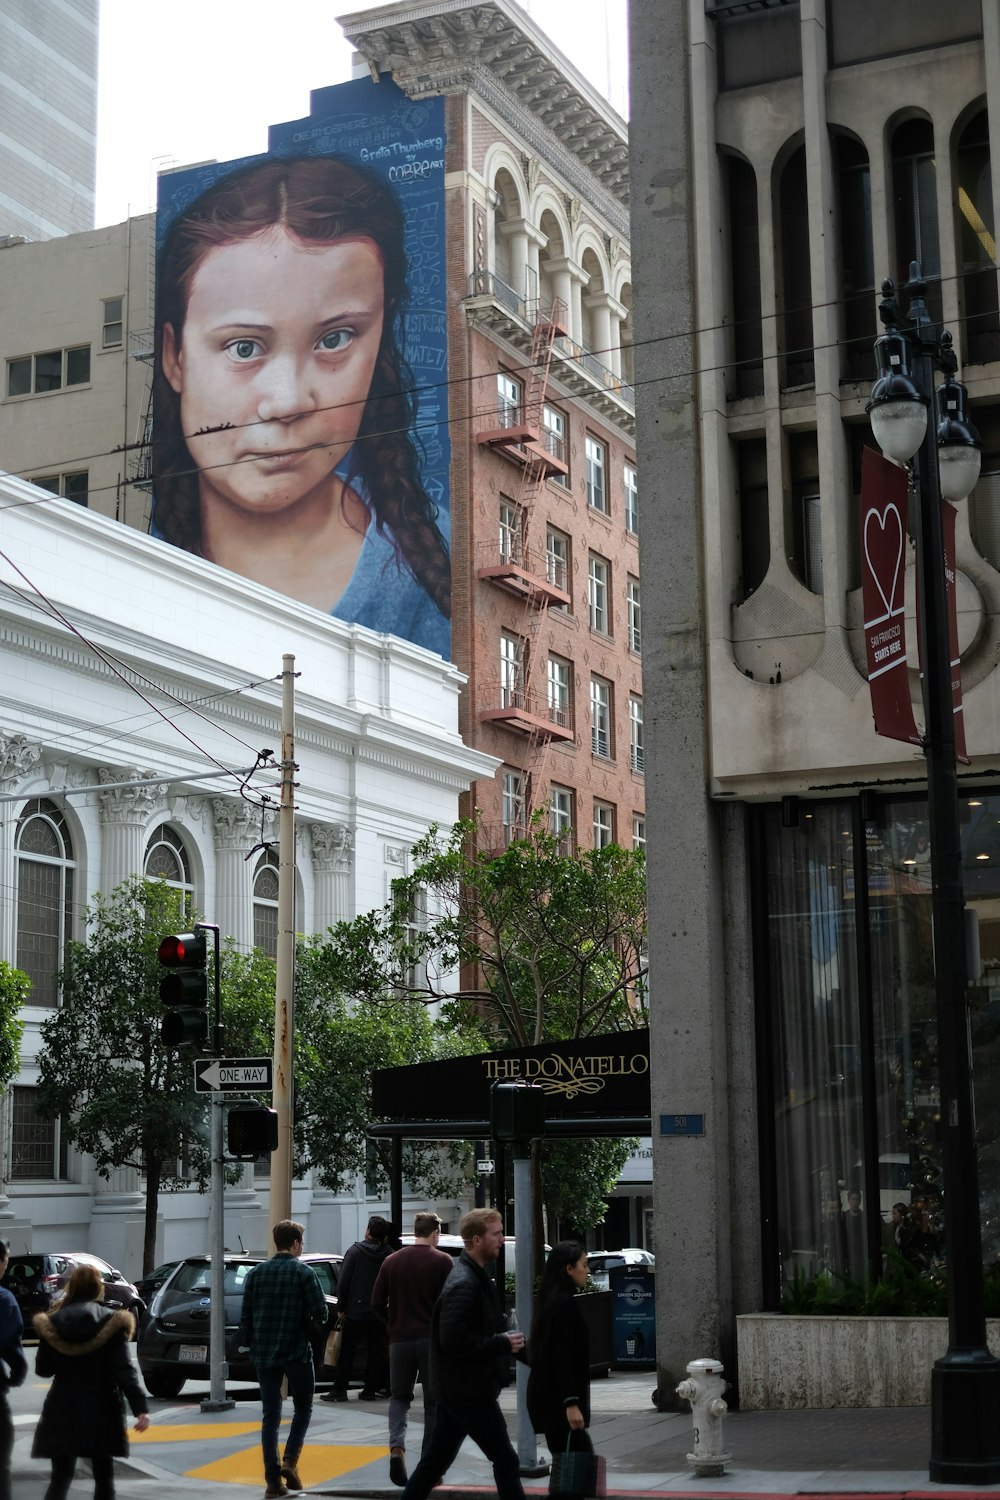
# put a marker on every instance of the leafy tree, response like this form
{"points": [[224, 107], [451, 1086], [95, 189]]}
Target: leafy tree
{"points": [[127, 1100], [123, 1097], [547, 947], [14, 990]]}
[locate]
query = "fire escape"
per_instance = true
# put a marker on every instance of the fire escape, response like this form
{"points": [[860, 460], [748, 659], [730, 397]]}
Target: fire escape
{"points": [[517, 560]]}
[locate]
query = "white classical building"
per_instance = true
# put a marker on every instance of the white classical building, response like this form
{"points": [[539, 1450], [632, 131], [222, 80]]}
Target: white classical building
{"points": [[135, 679]]}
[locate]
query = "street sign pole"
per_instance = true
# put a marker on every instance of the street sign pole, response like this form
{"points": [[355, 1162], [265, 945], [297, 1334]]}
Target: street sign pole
{"points": [[216, 1400]]}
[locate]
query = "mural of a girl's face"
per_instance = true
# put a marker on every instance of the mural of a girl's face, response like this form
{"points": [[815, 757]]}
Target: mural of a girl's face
{"points": [[280, 340]]}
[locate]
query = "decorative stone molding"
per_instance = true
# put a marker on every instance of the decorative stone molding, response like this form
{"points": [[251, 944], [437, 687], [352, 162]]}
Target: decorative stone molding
{"points": [[128, 804], [236, 824], [332, 846], [396, 854], [18, 755]]}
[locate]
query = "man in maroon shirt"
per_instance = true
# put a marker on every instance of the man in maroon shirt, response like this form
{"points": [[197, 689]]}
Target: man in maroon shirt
{"points": [[406, 1288]]}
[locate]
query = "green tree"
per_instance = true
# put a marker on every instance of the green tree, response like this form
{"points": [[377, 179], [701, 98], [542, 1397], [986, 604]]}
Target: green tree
{"points": [[127, 1100], [547, 947], [14, 990]]}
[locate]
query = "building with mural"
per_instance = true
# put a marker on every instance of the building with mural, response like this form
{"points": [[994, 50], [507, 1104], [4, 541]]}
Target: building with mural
{"points": [[439, 398], [803, 153]]}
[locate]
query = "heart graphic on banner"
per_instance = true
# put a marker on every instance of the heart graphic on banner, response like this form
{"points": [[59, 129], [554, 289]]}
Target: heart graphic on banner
{"points": [[883, 546]]}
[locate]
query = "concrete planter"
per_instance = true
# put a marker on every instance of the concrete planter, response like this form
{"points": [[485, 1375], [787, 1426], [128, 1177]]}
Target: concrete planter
{"points": [[788, 1361]]}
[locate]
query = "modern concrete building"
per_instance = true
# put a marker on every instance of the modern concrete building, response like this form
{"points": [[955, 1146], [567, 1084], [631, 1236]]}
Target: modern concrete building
{"points": [[48, 117], [785, 157]]}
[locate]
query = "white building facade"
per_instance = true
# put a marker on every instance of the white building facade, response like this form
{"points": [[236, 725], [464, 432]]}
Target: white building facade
{"points": [[90, 612]]}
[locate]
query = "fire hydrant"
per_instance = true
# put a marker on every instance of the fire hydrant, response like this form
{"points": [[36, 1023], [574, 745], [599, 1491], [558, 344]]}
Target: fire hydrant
{"points": [[703, 1388]]}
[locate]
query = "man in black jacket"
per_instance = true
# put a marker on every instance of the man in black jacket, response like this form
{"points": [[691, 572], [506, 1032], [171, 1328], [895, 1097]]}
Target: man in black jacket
{"points": [[469, 1362], [358, 1272]]}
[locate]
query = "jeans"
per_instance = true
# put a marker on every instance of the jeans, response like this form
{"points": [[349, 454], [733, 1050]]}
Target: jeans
{"points": [[373, 1333], [407, 1363], [484, 1424], [64, 1468], [301, 1385]]}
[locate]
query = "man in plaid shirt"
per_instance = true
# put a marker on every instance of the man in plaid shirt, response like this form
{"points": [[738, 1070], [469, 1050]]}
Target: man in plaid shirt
{"points": [[282, 1303]]}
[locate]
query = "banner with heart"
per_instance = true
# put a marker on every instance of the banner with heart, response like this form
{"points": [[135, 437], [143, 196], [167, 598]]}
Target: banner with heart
{"points": [[883, 561]]}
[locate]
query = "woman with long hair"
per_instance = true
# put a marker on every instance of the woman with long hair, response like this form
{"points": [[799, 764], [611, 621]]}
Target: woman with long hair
{"points": [[84, 1347], [284, 413], [559, 1349]]}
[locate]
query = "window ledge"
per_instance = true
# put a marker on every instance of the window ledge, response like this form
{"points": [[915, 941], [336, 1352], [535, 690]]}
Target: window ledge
{"points": [[64, 390]]}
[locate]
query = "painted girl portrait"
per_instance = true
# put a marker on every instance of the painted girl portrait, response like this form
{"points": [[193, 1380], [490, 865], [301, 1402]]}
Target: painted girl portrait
{"points": [[284, 407]]}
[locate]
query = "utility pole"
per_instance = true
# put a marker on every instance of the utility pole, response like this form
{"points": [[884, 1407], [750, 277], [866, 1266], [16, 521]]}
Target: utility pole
{"points": [[284, 994]]}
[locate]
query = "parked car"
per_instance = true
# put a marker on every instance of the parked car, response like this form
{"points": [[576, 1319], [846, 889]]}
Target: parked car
{"points": [[36, 1280], [601, 1262], [174, 1338], [147, 1285], [453, 1244]]}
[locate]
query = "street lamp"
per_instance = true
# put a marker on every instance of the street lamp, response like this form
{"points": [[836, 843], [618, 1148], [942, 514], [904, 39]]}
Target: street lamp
{"points": [[965, 1383]]}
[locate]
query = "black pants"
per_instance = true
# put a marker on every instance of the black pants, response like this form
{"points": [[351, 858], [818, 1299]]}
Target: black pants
{"points": [[373, 1333], [484, 1424], [64, 1468]]}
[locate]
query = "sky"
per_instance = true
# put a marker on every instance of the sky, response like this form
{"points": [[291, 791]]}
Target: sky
{"points": [[194, 80]]}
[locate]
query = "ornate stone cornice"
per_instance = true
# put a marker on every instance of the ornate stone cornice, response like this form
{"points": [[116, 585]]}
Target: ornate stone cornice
{"points": [[332, 847], [17, 756], [236, 824], [128, 804], [493, 49]]}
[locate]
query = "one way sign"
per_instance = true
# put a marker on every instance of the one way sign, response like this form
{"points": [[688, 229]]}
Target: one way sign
{"points": [[233, 1075]]}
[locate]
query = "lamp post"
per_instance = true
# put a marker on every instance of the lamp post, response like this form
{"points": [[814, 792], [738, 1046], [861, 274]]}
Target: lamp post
{"points": [[945, 455]]}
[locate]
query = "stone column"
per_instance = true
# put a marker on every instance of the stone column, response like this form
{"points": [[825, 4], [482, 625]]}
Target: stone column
{"points": [[333, 865], [124, 816], [516, 235], [237, 830]]}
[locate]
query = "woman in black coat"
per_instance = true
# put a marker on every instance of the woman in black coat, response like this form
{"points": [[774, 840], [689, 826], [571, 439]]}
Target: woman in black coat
{"points": [[84, 1346], [559, 1349]]}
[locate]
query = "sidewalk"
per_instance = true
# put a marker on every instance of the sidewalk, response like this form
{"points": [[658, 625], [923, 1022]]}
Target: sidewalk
{"points": [[828, 1453]]}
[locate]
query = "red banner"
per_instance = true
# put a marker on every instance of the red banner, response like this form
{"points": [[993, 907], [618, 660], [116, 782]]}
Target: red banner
{"points": [[883, 562], [948, 514]]}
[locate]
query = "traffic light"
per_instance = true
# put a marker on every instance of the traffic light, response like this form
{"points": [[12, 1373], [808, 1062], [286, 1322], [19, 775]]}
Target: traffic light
{"points": [[184, 990], [251, 1131]]}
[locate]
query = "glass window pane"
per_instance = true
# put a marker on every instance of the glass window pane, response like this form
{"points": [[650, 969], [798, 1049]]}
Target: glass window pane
{"points": [[76, 486], [33, 1138], [48, 371], [78, 365], [19, 377], [814, 1021]]}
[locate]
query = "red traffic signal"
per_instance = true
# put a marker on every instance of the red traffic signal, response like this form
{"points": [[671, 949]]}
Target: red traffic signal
{"points": [[185, 989]]}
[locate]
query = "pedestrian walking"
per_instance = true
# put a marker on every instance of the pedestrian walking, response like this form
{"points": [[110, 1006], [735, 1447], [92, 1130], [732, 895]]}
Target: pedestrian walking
{"points": [[283, 1303], [559, 1350], [406, 1288], [358, 1272], [84, 1347], [13, 1368], [469, 1362]]}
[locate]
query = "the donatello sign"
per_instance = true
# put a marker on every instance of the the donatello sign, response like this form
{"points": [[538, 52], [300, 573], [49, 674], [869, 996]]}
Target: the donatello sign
{"points": [[597, 1075]]}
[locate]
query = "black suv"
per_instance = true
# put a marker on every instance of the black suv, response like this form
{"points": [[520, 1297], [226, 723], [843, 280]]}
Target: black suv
{"points": [[173, 1342], [36, 1281]]}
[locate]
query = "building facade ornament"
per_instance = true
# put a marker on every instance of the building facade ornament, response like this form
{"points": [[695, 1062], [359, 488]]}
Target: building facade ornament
{"points": [[236, 824], [128, 804], [18, 755], [332, 846]]}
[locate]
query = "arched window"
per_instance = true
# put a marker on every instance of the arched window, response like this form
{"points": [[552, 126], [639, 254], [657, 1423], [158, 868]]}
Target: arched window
{"points": [[167, 860], [795, 325], [588, 326], [626, 338], [505, 212], [747, 375], [854, 206], [44, 853], [914, 190], [552, 250], [265, 904], [977, 244]]}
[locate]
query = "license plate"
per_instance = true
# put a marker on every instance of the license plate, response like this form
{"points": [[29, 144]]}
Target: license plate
{"points": [[193, 1354]]}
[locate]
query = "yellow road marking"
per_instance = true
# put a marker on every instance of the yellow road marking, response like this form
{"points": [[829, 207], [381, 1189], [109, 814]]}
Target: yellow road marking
{"points": [[191, 1432], [317, 1462]]}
